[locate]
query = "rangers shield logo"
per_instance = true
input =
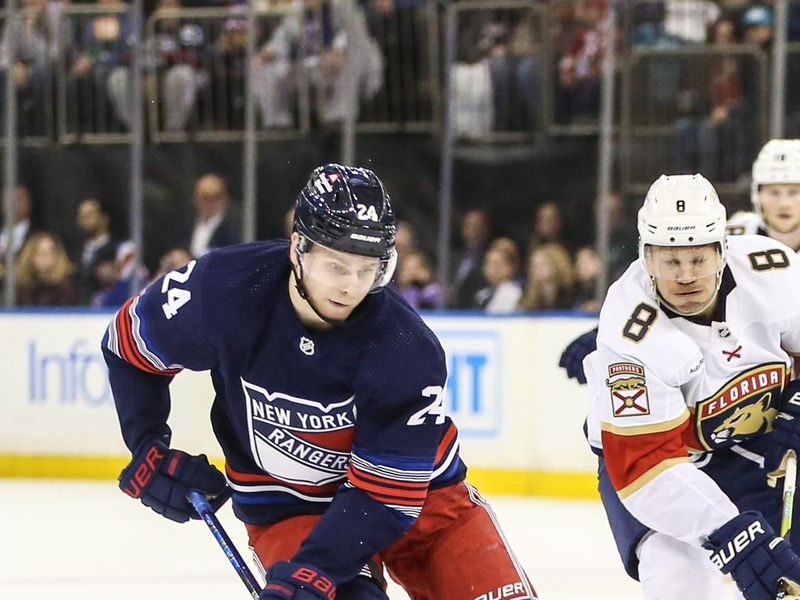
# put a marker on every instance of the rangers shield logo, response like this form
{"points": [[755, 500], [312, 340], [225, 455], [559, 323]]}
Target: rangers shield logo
{"points": [[298, 440], [628, 390]]}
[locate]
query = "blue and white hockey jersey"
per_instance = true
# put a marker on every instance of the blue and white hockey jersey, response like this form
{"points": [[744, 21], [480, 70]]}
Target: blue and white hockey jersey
{"points": [[349, 422]]}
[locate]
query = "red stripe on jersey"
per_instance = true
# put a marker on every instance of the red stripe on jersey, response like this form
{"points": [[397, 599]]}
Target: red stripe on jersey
{"points": [[125, 339], [340, 440], [628, 457], [389, 490], [127, 343], [690, 437], [444, 446], [245, 479]]}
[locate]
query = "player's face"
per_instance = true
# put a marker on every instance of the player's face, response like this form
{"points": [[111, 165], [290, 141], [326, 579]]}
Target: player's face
{"points": [[685, 276], [780, 204], [337, 282]]}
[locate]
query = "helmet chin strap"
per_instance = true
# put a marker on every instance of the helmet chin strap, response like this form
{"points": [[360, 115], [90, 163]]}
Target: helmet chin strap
{"points": [[297, 271], [660, 299]]}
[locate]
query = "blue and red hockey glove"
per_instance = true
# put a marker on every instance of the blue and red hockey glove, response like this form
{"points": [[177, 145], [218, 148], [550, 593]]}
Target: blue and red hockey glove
{"points": [[757, 559], [785, 433], [161, 478], [288, 580]]}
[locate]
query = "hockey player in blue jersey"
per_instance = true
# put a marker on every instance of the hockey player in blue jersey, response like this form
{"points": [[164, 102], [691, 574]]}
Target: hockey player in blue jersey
{"points": [[329, 409]]}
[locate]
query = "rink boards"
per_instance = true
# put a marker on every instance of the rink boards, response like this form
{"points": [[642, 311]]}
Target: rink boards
{"points": [[519, 416]]}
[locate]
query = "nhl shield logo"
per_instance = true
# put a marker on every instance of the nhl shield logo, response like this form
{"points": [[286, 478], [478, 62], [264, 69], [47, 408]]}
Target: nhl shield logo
{"points": [[628, 390], [306, 346]]}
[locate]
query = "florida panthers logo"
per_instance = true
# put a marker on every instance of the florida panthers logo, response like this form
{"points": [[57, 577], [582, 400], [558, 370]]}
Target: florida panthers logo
{"points": [[746, 421], [742, 408]]}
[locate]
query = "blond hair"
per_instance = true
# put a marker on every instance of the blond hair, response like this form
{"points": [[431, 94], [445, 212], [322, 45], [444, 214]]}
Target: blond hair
{"points": [[27, 277], [564, 276]]}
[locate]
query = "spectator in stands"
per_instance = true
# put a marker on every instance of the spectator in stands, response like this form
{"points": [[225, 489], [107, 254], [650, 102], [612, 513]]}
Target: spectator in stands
{"points": [[757, 23], [44, 273], [173, 259], [473, 94], [22, 228], [405, 243], [500, 270], [229, 68], [689, 20], [214, 225], [37, 36], [580, 67], [548, 225], [587, 271], [734, 9], [406, 238], [660, 75], [550, 279], [647, 26], [94, 222], [104, 47], [468, 278], [113, 275], [416, 282], [715, 143], [516, 71], [177, 51], [334, 59], [400, 28]]}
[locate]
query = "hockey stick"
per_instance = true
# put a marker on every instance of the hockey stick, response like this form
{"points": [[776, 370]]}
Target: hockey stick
{"points": [[789, 484], [203, 509]]}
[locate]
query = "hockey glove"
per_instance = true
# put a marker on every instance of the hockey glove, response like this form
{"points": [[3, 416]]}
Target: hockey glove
{"points": [[288, 580], [785, 433], [748, 549], [161, 478], [575, 352]]}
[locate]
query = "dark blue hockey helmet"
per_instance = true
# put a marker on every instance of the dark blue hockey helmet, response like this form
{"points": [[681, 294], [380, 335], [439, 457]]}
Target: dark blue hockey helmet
{"points": [[347, 209]]}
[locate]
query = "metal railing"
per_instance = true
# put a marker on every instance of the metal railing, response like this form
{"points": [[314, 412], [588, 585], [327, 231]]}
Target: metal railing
{"points": [[209, 77], [520, 43], [696, 108]]}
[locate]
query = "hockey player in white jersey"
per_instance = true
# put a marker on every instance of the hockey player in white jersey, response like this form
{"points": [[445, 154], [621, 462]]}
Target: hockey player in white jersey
{"points": [[775, 195], [692, 366]]}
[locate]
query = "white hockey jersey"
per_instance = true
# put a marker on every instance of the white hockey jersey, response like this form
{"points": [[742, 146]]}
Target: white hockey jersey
{"points": [[745, 223], [663, 387]]}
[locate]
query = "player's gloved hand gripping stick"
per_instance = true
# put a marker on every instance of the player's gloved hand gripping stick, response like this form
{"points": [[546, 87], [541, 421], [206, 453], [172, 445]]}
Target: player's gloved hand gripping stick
{"points": [[763, 565], [161, 478], [286, 579]]}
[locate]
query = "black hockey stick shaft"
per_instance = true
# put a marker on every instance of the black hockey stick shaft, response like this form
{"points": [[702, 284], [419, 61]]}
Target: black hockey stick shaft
{"points": [[203, 509]]}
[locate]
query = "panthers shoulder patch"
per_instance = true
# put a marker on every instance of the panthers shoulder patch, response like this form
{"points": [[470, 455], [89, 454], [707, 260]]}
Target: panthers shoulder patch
{"points": [[628, 389]]}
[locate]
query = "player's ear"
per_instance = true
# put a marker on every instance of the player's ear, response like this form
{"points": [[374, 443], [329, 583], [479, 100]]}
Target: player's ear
{"points": [[294, 240]]}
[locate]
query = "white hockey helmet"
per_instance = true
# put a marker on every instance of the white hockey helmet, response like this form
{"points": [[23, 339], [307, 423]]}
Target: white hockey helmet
{"points": [[777, 162], [681, 210]]}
